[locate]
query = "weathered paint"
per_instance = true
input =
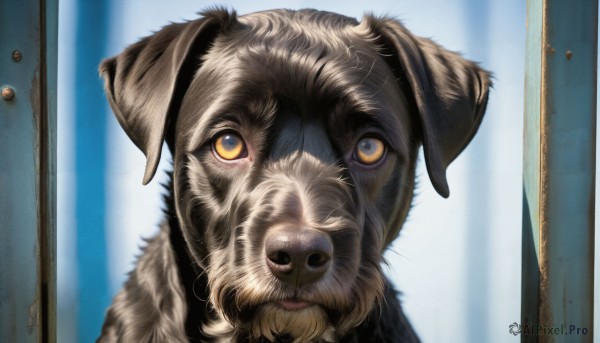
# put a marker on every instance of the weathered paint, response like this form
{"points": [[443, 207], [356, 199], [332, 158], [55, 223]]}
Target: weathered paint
{"points": [[28, 171], [559, 167], [531, 157], [49, 53]]}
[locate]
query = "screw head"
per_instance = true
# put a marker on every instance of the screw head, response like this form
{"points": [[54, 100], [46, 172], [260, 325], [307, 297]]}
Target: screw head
{"points": [[16, 56], [8, 93]]}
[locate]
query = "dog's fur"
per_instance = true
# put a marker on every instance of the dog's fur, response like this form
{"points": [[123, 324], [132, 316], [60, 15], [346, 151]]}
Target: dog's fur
{"points": [[301, 88]]}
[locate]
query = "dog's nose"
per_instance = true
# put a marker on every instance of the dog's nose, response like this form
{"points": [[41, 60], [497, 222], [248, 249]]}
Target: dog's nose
{"points": [[298, 256]]}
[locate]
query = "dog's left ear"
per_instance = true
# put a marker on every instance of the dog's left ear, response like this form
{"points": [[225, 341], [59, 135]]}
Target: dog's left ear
{"points": [[146, 83], [450, 93]]}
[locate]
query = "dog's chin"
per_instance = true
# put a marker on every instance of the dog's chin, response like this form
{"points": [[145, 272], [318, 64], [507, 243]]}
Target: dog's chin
{"points": [[299, 321]]}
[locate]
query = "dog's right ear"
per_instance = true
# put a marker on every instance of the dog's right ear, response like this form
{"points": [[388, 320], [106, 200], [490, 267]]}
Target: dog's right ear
{"points": [[146, 83]]}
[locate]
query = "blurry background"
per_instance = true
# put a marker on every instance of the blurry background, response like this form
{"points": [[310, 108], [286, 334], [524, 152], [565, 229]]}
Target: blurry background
{"points": [[457, 261]]}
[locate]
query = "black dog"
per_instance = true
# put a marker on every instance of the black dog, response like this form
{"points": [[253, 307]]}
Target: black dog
{"points": [[294, 137]]}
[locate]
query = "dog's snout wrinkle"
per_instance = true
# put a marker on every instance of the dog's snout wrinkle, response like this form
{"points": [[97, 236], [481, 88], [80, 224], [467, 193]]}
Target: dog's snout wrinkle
{"points": [[297, 255]]}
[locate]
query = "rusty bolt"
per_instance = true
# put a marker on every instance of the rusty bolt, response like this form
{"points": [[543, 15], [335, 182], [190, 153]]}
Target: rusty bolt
{"points": [[8, 93], [16, 56], [569, 55]]}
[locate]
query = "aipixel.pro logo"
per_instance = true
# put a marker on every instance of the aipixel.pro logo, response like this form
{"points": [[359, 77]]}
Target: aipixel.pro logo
{"points": [[514, 329]]}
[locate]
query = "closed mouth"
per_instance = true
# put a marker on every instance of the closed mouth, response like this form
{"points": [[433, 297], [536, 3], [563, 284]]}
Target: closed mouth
{"points": [[293, 304]]}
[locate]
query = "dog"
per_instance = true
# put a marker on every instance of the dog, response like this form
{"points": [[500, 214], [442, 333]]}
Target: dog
{"points": [[294, 138]]}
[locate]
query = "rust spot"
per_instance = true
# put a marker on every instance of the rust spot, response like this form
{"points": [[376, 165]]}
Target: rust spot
{"points": [[569, 54], [34, 99], [34, 93], [32, 321], [549, 49]]}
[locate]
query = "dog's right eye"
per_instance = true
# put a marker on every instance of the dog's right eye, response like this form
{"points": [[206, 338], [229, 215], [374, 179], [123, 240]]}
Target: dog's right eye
{"points": [[229, 146]]}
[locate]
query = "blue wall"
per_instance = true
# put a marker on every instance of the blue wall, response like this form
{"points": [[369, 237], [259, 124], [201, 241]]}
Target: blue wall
{"points": [[93, 19]]}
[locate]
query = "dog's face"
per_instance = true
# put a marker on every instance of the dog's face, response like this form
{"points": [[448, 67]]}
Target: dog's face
{"points": [[294, 138], [288, 164]]}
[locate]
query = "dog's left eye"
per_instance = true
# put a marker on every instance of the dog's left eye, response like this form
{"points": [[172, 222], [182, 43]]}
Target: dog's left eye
{"points": [[369, 150], [229, 146]]}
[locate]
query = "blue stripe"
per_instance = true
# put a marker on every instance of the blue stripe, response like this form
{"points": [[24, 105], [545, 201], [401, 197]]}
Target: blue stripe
{"points": [[90, 123], [477, 291]]}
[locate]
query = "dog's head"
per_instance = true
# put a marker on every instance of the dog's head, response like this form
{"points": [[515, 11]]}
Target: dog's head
{"points": [[294, 137]]}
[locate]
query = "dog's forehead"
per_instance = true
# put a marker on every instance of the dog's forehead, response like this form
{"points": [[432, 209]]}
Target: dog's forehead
{"points": [[283, 45]]}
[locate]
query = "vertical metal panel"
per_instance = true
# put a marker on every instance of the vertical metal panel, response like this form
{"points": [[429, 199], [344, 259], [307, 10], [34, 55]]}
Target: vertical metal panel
{"points": [[531, 168], [90, 121], [28, 170], [49, 54], [559, 168]]}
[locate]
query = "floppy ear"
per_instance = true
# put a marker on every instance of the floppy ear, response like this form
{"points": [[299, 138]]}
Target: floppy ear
{"points": [[450, 93], [146, 83]]}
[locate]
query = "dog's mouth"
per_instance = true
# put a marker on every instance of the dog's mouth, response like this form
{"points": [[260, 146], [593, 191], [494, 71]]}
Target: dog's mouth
{"points": [[297, 319], [306, 314], [294, 304]]}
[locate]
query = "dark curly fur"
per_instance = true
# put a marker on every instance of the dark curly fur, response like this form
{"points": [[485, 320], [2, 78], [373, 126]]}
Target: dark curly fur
{"points": [[301, 89]]}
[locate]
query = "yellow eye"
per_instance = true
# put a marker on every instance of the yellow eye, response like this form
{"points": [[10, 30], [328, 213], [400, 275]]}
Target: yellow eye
{"points": [[229, 146], [369, 150]]}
